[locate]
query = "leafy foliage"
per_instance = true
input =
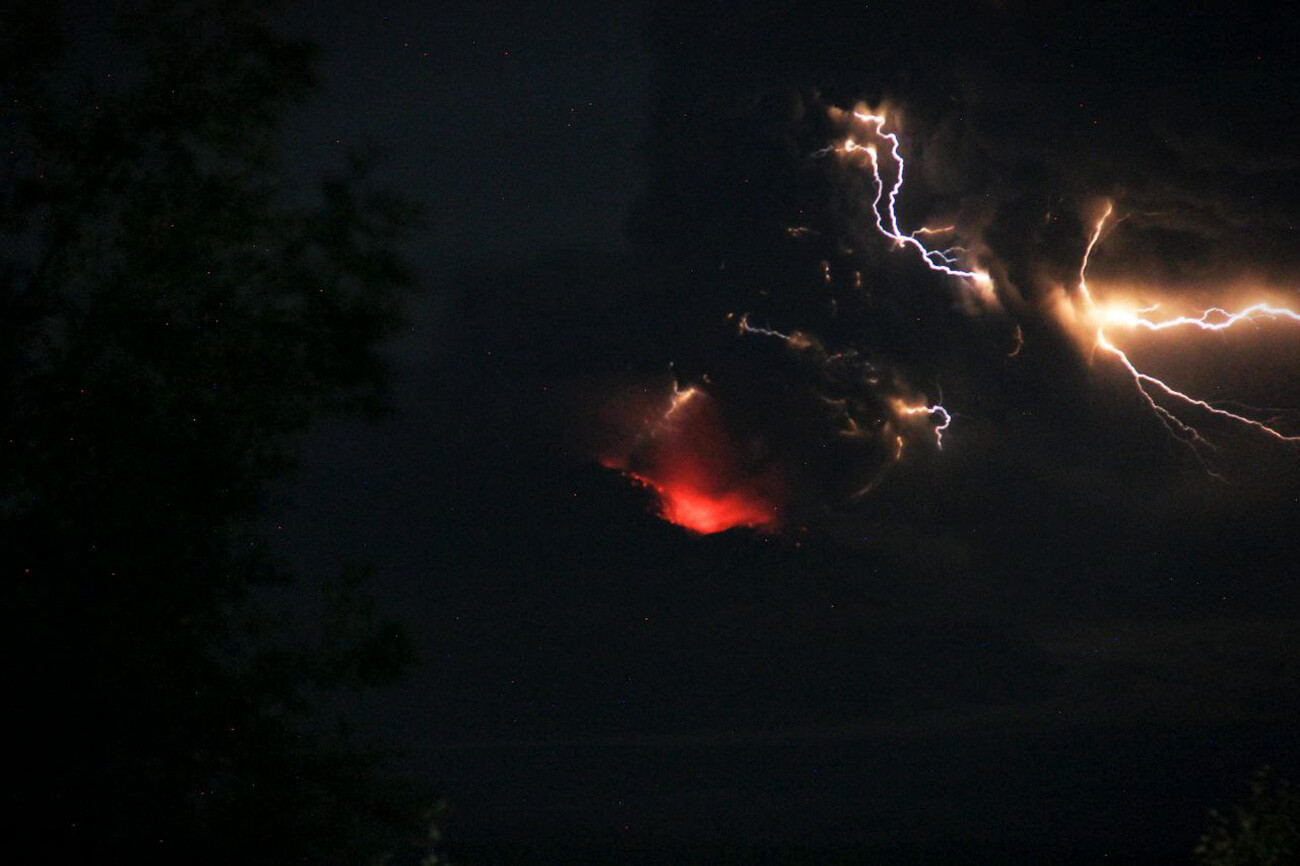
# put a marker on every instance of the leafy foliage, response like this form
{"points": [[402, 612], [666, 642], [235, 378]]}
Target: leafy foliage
{"points": [[1262, 831], [172, 312]]}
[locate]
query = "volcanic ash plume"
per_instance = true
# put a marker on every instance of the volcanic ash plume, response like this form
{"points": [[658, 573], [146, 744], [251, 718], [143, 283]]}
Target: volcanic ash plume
{"points": [[698, 469], [795, 419]]}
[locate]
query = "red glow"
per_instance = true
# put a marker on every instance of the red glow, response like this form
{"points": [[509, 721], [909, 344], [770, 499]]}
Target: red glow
{"points": [[692, 462], [706, 513], [693, 506]]}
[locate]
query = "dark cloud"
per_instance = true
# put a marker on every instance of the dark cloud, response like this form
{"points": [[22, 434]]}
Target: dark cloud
{"points": [[1020, 121], [1046, 609]]}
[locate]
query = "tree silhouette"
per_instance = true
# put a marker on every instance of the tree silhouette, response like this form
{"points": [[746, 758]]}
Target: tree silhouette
{"points": [[1262, 831], [172, 311]]}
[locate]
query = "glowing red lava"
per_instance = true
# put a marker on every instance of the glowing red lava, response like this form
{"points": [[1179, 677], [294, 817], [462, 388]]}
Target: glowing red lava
{"points": [[692, 462], [695, 507]]}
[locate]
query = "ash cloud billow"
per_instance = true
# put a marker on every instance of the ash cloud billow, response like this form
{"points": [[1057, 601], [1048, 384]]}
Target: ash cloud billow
{"points": [[922, 248], [700, 470]]}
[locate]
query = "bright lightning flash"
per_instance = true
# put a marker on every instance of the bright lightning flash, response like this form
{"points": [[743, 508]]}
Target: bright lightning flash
{"points": [[1162, 398], [935, 411], [946, 260], [1212, 319], [689, 458]]}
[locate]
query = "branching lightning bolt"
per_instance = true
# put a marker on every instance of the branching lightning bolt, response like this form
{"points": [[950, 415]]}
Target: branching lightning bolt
{"points": [[1212, 319], [941, 260], [947, 260], [694, 495], [1161, 397], [935, 413]]}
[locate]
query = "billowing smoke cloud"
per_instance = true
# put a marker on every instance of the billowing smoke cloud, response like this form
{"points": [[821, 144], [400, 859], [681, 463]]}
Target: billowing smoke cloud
{"points": [[706, 479], [823, 335]]}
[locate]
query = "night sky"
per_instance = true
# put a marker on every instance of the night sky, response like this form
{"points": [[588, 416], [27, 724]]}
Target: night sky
{"points": [[1062, 637]]}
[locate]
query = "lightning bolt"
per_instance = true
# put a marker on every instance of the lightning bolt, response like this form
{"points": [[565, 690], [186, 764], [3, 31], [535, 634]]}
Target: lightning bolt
{"points": [[937, 414], [945, 260], [1162, 398], [683, 454], [1087, 254], [744, 327], [934, 411], [1211, 319]]}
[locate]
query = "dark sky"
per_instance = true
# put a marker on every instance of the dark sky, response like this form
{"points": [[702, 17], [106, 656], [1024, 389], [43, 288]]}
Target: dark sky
{"points": [[1059, 637], [500, 117]]}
